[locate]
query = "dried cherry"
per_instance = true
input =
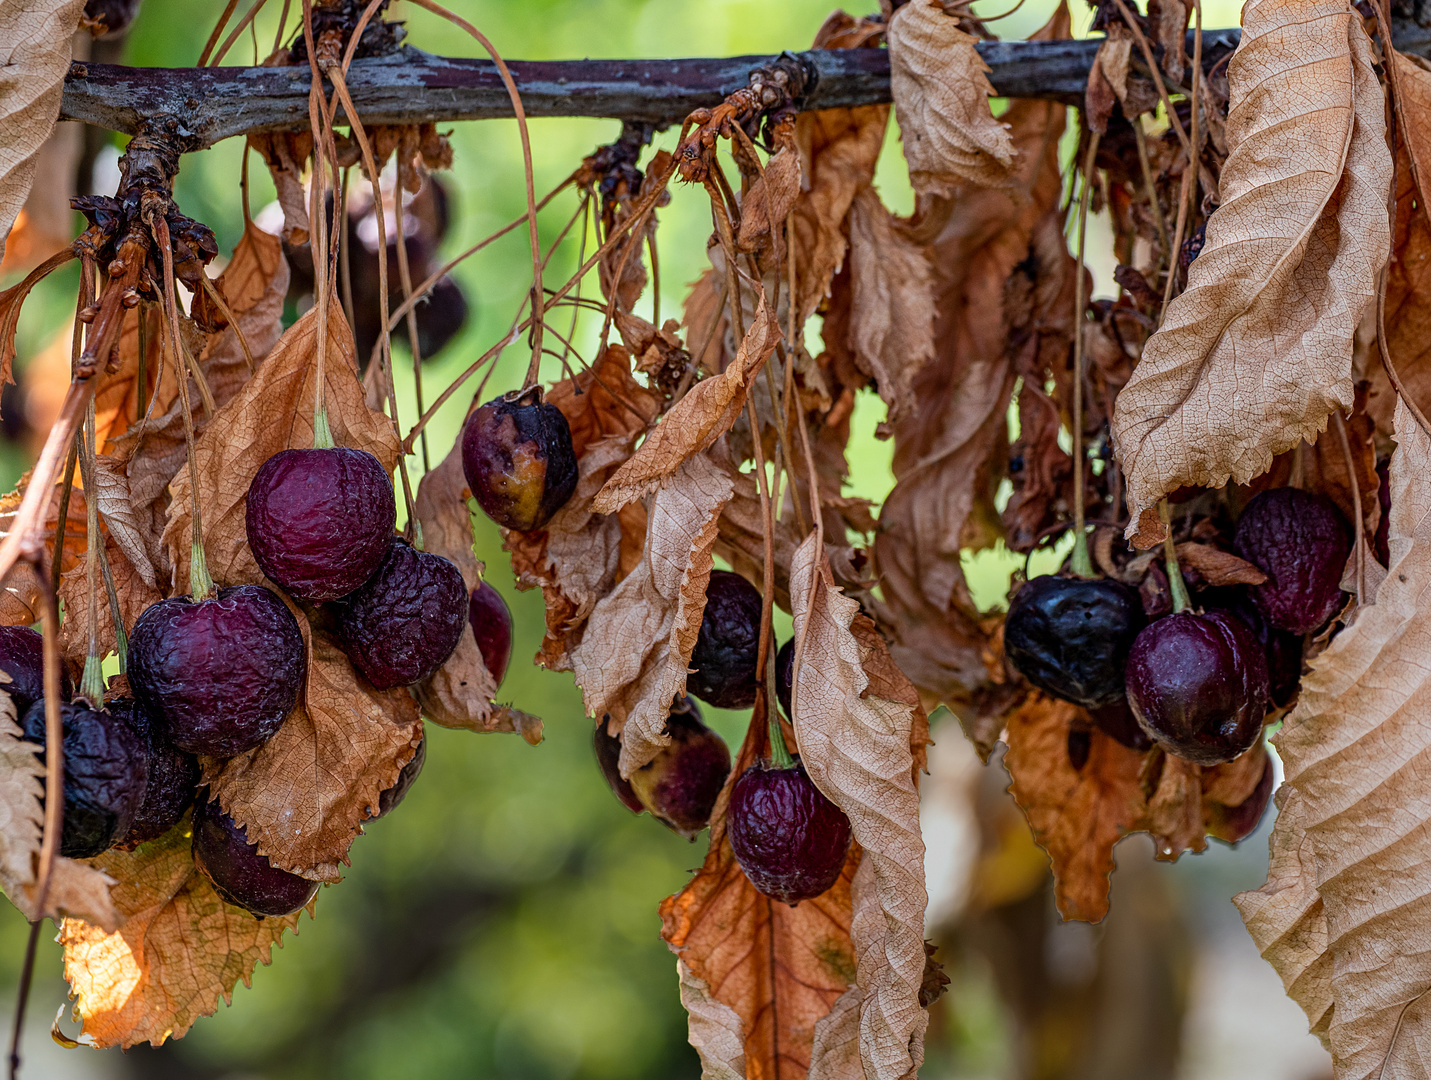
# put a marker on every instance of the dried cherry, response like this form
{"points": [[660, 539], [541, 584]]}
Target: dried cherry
{"points": [[519, 461], [22, 657], [491, 622], [388, 801], [1233, 823], [1282, 649], [785, 675], [608, 759], [1116, 720], [173, 777], [1301, 542], [726, 650], [238, 872], [789, 839], [680, 784]]}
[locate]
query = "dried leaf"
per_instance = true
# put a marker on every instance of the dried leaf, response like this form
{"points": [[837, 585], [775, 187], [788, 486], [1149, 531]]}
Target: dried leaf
{"points": [[35, 37], [131, 589], [1175, 809], [941, 91], [775, 190], [21, 598], [1169, 19], [1218, 567], [856, 746], [1257, 351], [178, 949]]}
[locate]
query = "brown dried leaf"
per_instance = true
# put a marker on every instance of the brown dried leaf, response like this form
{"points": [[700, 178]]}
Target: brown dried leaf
{"points": [[1169, 20], [636, 648], [1218, 567], [1175, 809], [272, 412], [856, 745], [178, 949], [1257, 351], [777, 188], [284, 153], [694, 422], [21, 599], [941, 92], [131, 589]]}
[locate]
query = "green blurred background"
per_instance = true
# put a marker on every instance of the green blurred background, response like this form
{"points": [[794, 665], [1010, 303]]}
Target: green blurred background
{"points": [[502, 923]]}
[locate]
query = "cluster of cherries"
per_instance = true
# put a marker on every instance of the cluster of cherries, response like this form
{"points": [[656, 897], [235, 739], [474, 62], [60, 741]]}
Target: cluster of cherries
{"points": [[1198, 683]]}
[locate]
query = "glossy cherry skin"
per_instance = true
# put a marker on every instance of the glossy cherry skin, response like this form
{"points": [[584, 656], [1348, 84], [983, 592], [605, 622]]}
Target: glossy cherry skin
{"points": [[406, 619], [173, 777], [1283, 650], [219, 676], [22, 657], [106, 770], [319, 521], [680, 784], [1070, 637], [1301, 542], [1117, 721], [239, 873], [491, 622], [723, 660], [789, 839], [607, 748], [519, 461], [1198, 685]]}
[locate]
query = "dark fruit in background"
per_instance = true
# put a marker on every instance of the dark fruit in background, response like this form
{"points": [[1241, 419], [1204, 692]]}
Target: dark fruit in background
{"points": [[22, 657], [680, 784], [1071, 637], [519, 462], [728, 645], [789, 839], [1301, 542], [1283, 651], [1382, 541], [388, 801], [608, 757], [406, 619], [319, 521], [785, 675], [238, 872], [217, 676], [440, 316], [106, 769], [1198, 685], [491, 622], [173, 777], [1116, 720], [1233, 823]]}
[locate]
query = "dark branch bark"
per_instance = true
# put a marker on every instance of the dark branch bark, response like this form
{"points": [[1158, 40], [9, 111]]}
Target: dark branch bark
{"points": [[409, 86]]}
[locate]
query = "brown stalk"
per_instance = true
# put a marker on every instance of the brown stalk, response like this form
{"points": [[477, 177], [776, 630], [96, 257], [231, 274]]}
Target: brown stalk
{"points": [[219, 302], [217, 30], [317, 115], [1153, 203], [405, 277], [243, 25], [357, 34], [1183, 195], [1359, 539], [1080, 563], [1148, 59]]}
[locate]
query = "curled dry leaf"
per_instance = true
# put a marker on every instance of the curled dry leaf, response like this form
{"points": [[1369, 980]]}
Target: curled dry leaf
{"points": [[1218, 567], [856, 745], [21, 599], [177, 951], [941, 91], [1355, 750], [1174, 816], [776, 189], [633, 656], [1257, 351], [132, 589]]}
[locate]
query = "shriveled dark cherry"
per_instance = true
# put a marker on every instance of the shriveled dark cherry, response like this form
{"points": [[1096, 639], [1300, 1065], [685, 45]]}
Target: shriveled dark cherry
{"points": [[680, 784], [22, 657], [789, 839], [608, 758], [440, 317], [389, 799], [728, 645], [491, 622], [1381, 543], [238, 872], [319, 521], [1301, 542], [1282, 650], [106, 772], [1233, 823], [406, 619], [173, 777], [518, 458], [1198, 685], [1071, 637], [785, 675], [1116, 720], [218, 676]]}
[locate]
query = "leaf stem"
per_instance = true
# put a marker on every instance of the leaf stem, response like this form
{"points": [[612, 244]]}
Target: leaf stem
{"points": [[92, 681], [779, 752], [1176, 585], [1080, 562]]}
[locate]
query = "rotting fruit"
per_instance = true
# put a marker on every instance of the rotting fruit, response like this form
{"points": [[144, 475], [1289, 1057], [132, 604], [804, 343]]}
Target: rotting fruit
{"points": [[518, 458], [106, 769], [22, 657], [173, 777], [1283, 650], [1070, 637], [785, 675], [319, 520], [1301, 542], [218, 676], [491, 622], [1198, 685], [608, 758], [405, 620], [724, 657], [390, 798], [1234, 823], [1116, 720], [238, 872], [680, 784], [789, 839]]}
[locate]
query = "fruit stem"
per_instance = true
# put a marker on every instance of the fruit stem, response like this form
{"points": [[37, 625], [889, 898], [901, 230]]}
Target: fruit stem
{"points": [[322, 433], [1080, 563], [1176, 585], [779, 754], [92, 681]]}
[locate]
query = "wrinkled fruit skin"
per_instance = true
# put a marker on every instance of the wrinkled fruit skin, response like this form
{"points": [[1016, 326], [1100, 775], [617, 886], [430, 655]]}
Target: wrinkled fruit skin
{"points": [[680, 784], [1071, 637], [406, 619], [519, 462], [491, 622], [219, 676], [789, 839], [22, 657], [728, 645], [1282, 650], [173, 777], [1234, 823], [319, 521], [1198, 685], [1116, 720], [238, 872], [106, 771], [785, 675], [389, 799], [608, 758], [1301, 542]]}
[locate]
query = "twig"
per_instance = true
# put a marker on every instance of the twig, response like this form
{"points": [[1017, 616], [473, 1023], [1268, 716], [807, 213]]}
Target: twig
{"points": [[1081, 564]]}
